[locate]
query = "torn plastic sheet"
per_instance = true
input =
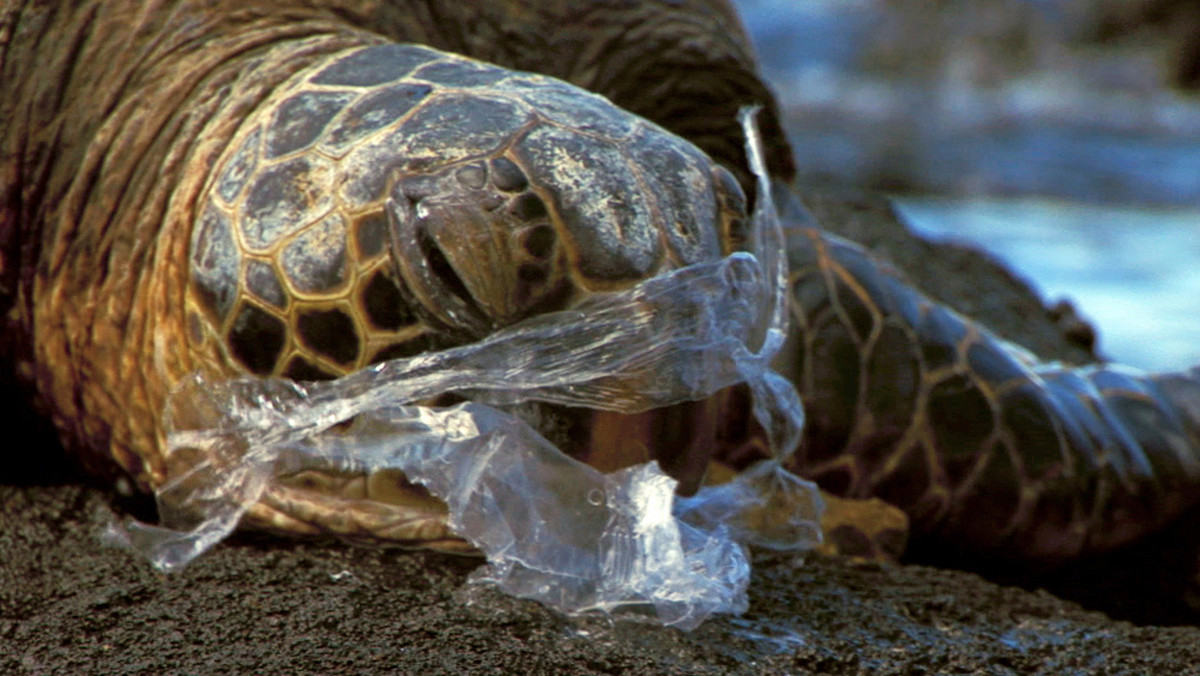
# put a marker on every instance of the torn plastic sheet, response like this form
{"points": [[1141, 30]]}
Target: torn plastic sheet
{"points": [[553, 529]]}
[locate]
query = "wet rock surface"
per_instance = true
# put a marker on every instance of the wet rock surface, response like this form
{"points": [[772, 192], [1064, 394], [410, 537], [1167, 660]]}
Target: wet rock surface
{"points": [[259, 603]]}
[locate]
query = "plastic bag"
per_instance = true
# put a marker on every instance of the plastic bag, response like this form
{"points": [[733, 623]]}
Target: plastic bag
{"points": [[553, 529]]}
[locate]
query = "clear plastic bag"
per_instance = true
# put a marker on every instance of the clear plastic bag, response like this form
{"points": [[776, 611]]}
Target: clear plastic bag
{"points": [[553, 529]]}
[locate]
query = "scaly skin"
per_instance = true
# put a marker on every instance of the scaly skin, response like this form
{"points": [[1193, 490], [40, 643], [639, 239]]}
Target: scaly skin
{"points": [[985, 450], [111, 165]]}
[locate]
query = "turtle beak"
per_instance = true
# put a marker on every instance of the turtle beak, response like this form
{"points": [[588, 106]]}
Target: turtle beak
{"points": [[682, 438]]}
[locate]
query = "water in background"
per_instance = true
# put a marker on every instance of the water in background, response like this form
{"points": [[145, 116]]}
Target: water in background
{"points": [[1132, 271], [1038, 166]]}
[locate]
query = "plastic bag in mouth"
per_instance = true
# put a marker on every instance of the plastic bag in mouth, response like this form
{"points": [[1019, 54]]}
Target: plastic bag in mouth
{"points": [[552, 528]]}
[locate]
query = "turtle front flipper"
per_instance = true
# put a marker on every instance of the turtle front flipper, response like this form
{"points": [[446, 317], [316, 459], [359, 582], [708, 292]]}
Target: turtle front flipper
{"points": [[986, 450]]}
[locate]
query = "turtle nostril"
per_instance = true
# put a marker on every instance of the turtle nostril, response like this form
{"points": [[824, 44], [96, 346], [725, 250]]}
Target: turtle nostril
{"points": [[440, 266]]}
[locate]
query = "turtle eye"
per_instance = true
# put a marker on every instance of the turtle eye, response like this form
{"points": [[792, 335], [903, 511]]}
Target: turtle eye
{"points": [[441, 293], [476, 257], [440, 265]]}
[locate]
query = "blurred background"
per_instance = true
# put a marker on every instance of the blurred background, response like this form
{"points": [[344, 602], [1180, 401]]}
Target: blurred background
{"points": [[1063, 136]]}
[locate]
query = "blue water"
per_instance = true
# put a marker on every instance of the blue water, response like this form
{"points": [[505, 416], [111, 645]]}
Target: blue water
{"points": [[1133, 272], [1051, 173]]}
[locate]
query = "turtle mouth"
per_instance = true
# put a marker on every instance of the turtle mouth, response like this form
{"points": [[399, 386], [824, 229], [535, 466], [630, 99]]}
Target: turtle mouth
{"points": [[683, 438]]}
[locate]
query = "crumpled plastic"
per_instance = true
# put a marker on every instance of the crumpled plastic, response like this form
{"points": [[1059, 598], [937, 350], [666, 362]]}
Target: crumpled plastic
{"points": [[552, 528]]}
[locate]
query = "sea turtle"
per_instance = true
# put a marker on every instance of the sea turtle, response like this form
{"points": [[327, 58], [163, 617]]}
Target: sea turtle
{"points": [[301, 189]]}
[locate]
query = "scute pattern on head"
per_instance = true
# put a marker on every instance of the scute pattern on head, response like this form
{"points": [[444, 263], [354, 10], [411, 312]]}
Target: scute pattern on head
{"points": [[371, 113], [301, 119], [257, 338], [675, 174], [283, 198], [460, 75], [239, 168], [595, 185], [314, 261], [264, 284], [329, 333], [447, 127], [215, 259], [572, 108], [401, 197], [379, 65]]}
